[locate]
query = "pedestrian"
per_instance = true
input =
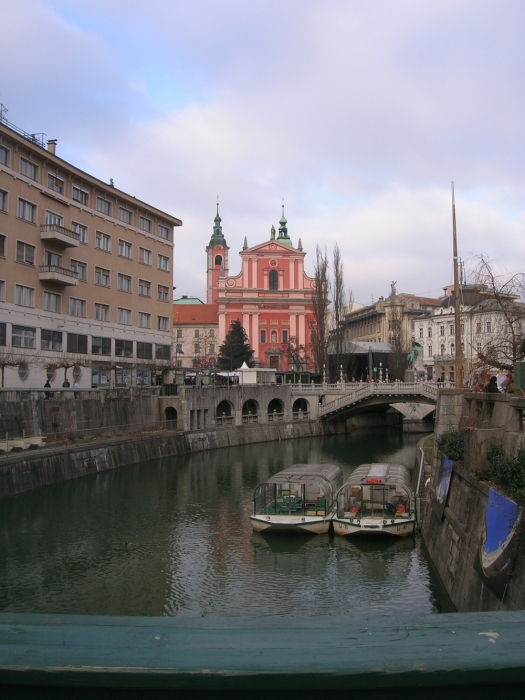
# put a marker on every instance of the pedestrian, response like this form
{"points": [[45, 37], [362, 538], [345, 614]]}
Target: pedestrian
{"points": [[77, 393], [47, 385], [492, 386], [66, 384]]}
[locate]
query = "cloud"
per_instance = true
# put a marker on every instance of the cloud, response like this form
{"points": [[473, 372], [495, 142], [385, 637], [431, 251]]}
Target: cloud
{"points": [[358, 114]]}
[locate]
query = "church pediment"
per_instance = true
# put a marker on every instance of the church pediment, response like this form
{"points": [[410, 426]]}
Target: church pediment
{"points": [[272, 248]]}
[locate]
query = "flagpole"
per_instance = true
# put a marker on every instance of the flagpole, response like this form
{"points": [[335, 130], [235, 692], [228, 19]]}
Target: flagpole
{"points": [[458, 372]]}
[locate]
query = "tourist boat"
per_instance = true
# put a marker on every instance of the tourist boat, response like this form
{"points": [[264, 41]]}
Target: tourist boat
{"points": [[377, 499], [299, 499]]}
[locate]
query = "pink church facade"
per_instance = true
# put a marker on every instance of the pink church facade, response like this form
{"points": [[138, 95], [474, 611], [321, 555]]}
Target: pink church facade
{"points": [[272, 297]]}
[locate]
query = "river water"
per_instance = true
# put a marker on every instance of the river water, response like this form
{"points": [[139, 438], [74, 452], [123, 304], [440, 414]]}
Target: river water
{"points": [[173, 537]]}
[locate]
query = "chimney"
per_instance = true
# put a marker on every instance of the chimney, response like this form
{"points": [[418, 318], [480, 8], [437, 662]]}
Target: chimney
{"points": [[52, 146]]}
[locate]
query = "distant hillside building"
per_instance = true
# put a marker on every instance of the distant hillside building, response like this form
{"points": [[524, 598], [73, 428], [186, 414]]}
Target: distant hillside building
{"points": [[195, 333], [272, 297]]}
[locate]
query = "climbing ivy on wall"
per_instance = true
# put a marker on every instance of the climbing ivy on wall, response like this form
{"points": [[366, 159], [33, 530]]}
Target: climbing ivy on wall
{"points": [[452, 444]]}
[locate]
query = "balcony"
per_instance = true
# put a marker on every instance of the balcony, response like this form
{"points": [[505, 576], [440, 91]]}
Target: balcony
{"points": [[446, 357], [58, 275], [60, 235]]}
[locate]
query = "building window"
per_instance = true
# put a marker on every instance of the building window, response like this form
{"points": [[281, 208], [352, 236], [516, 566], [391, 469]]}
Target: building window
{"points": [[144, 256], [163, 293], [55, 183], [3, 334], [4, 156], [100, 346], [145, 351], [81, 231], [263, 336], [218, 260], [478, 348], [451, 329], [50, 340], [285, 336], [52, 302], [197, 333], [212, 347], [430, 351], [23, 337], [212, 333], [162, 323], [80, 268], [101, 312], [24, 296], [163, 263], [145, 224], [442, 330], [489, 327], [3, 200], [430, 331], [77, 307], [124, 283], [2, 290], [52, 259], [442, 349], [421, 331], [3, 245], [124, 316], [77, 343], [179, 349], [162, 352], [125, 215], [196, 348], [103, 241], [124, 249], [28, 169], [274, 280], [144, 320], [179, 332], [25, 253], [103, 206], [124, 348], [26, 211], [53, 219], [164, 232], [462, 328], [80, 195], [478, 327], [144, 288], [102, 277]]}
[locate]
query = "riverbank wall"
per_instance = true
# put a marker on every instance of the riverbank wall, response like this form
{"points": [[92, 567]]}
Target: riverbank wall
{"points": [[24, 471], [453, 540]]}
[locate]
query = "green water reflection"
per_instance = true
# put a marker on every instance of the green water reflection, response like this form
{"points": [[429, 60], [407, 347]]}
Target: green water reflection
{"points": [[173, 537]]}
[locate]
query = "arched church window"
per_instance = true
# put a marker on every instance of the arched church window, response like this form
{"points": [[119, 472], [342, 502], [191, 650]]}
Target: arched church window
{"points": [[218, 260], [274, 283]]}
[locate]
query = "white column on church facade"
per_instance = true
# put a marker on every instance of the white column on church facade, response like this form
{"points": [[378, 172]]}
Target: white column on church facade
{"points": [[222, 327], [254, 273], [246, 324], [293, 325], [292, 274]]}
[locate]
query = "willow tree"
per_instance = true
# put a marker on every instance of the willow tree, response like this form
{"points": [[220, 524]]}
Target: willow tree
{"points": [[320, 309]]}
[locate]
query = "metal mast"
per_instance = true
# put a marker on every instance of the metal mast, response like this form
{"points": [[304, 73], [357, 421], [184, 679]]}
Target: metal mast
{"points": [[458, 372]]}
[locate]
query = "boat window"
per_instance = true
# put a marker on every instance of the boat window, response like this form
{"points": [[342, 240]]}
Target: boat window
{"points": [[373, 501]]}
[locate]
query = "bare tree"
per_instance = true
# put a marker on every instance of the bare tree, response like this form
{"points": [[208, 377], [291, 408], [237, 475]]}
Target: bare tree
{"points": [[338, 300], [320, 303], [13, 359], [499, 316], [296, 354]]}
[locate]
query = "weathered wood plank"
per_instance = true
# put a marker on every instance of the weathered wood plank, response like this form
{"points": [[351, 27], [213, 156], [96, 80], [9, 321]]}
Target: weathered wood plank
{"points": [[263, 653]]}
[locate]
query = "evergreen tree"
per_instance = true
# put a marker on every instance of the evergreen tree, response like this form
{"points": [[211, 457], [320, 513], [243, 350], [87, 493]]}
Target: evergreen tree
{"points": [[235, 350]]}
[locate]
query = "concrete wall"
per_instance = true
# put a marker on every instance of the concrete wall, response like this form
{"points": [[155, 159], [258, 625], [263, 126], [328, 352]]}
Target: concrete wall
{"points": [[453, 542]]}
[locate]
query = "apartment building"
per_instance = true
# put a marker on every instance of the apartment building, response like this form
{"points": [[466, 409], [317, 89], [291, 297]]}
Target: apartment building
{"points": [[86, 274]]}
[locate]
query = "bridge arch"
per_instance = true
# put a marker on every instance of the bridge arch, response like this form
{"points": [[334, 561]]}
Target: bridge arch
{"points": [[170, 417]]}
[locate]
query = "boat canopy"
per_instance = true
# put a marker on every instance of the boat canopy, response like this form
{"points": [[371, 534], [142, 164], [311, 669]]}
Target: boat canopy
{"points": [[302, 489], [376, 491]]}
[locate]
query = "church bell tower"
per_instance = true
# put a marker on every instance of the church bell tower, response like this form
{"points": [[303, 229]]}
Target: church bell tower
{"points": [[217, 260]]}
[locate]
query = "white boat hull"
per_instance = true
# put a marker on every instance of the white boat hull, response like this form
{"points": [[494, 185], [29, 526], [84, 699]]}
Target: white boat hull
{"points": [[373, 526], [291, 523]]}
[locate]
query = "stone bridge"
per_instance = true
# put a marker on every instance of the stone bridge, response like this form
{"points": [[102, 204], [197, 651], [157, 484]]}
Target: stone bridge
{"points": [[344, 398]]}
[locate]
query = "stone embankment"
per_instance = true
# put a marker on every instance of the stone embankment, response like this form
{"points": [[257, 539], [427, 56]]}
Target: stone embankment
{"points": [[453, 541]]}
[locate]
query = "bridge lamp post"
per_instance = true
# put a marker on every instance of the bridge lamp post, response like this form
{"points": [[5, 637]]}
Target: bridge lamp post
{"points": [[380, 371]]}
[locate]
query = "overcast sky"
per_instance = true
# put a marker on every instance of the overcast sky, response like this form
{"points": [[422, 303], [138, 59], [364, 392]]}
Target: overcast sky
{"points": [[359, 113]]}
